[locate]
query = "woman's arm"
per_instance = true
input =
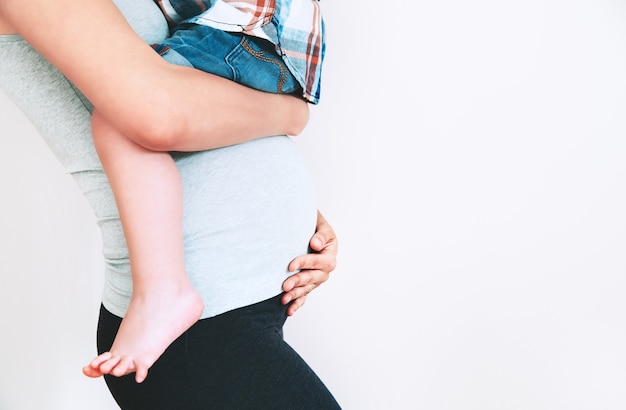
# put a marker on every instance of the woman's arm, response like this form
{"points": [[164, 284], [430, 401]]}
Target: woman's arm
{"points": [[314, 268], [93, 45], [5, 27]]}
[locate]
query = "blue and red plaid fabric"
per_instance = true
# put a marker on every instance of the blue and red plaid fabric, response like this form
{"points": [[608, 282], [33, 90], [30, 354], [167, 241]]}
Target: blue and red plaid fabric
{"points": [[296, 28]]}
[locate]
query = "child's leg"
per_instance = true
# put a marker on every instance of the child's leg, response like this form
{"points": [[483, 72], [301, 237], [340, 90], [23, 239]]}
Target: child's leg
{"points": [[164, 304], [148, 191]]}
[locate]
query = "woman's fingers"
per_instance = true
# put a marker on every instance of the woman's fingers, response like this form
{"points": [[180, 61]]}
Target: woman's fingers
{"points": [[298, 294], [324, 245], [299, 285], [312, 269], [295, 305], [324, 235]]}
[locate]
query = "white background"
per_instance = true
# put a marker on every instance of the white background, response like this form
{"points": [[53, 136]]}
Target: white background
{"points": [[471, 157]]}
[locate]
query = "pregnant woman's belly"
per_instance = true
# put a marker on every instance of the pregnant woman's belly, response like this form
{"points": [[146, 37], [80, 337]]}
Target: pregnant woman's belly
{"points": [[249, 210]]}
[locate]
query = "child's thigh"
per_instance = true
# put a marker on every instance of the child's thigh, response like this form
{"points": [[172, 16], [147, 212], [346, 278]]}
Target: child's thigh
{"points": [[247, 60]]}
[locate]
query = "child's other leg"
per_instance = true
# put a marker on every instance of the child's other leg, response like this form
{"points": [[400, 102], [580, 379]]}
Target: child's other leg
{"points": [[164, 304]]}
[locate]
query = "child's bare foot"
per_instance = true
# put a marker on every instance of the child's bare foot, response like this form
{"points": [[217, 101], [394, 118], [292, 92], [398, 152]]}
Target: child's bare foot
{"points": [[155, 318]]}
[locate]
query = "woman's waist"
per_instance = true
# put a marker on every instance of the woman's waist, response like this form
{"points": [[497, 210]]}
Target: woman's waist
{"points": [[252, 213], [248, 211], [257, 178]]}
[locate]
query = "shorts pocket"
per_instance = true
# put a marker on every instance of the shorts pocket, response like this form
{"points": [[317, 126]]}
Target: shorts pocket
{"points": [[256, 64]]}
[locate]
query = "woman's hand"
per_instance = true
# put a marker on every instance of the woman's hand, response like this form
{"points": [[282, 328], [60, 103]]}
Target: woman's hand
{"points": [[314, 268]]}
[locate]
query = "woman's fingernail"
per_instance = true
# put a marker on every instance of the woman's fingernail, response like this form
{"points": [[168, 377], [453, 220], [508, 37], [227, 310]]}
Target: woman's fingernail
{"points": [[316, 243]]}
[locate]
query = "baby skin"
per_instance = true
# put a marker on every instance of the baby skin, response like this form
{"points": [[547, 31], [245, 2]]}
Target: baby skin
{"points": [[156, 317], [164, 304]]}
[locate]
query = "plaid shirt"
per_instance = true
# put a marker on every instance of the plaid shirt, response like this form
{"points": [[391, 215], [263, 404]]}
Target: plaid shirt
{"points": [[294, 26]]}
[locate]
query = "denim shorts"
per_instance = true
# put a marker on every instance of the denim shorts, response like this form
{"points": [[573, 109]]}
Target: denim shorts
{"points": [[247, 60]]}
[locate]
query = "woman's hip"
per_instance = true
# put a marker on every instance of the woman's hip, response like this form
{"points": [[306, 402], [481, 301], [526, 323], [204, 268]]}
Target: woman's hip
{"points": [[234, 360]]}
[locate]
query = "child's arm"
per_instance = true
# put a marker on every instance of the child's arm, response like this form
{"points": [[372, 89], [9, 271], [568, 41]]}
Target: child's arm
{"points": [[93, 45]]}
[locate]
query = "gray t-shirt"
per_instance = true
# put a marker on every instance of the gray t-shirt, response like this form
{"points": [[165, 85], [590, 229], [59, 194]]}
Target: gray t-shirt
{"points": [[249, 209]]}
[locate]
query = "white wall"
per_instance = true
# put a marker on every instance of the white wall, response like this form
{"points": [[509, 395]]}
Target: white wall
{"points": [[50, 253], [470, 156]]}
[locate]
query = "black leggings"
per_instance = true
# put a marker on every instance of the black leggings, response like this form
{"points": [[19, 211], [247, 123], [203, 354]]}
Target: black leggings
{"points": [[236, 360]]}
